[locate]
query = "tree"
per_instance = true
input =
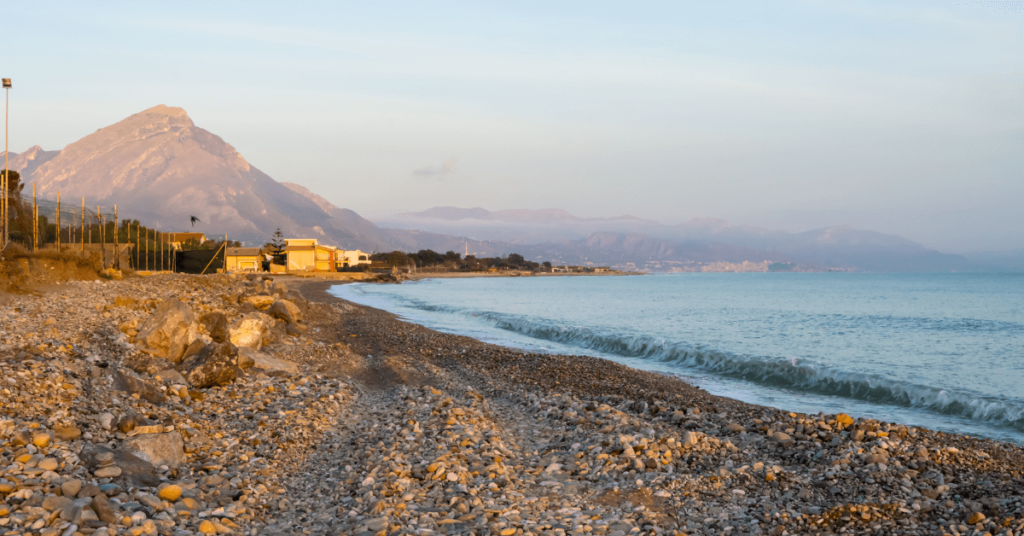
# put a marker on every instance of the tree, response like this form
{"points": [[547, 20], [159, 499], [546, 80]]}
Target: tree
{"points": [[276, 247], [277, 241], [22, 214]]}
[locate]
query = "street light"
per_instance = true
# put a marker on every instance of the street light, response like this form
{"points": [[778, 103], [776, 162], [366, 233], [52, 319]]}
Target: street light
{"points": [[7, 169]]}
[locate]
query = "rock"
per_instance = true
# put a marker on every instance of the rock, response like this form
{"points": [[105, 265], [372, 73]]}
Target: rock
{"points": [[135, 470], [53, 503], [193, 348], [216, 364], [106, 420], [48, 464], [168, 331], [71, 512], [206, 527], [285, 310], [876, 457], [70, 488], [132, 385], [171, 376], [782, 439], [104, 510], [67, 433], [145, 364], [41, 440], [110, 471], [157, 449], [216, 324], [735, 428], [976, 517], [125, 424], [857, 435], [266, 362], [844, 419], [249, 332], [171, 493], [689, 439], [21, 439], [259, 302]]}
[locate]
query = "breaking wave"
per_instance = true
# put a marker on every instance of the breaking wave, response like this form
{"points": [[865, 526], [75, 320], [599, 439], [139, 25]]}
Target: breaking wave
{"points": [[783, 373]]}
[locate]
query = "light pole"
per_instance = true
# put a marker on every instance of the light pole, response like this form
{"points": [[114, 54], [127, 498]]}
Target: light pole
{"points": [[7, 170]]}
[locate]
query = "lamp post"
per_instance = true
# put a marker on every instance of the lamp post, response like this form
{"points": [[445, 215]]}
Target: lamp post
{"points": [[7, 172]]}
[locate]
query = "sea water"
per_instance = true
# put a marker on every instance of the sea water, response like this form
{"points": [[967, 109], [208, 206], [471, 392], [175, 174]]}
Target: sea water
{"points": [[945, 351]]}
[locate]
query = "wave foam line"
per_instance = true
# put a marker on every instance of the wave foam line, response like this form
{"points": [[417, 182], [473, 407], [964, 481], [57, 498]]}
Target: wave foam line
{"points": [[776, 372]]}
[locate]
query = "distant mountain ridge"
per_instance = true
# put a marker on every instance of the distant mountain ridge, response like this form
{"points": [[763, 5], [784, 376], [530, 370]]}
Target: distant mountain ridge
{"points": [[551, 232], [160, 168]]}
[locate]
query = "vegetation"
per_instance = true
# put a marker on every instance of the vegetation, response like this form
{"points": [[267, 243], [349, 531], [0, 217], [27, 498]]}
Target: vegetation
{"points": [[452, 261], [276, 247]]}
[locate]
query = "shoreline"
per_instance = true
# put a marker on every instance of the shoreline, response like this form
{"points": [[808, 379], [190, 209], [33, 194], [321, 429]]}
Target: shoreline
{"points": [[347, 420], [835, 455]]}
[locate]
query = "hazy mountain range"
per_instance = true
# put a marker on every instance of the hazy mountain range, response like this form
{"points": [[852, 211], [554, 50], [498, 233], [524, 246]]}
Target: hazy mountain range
{"points": [[631, 239], [161, 169]]}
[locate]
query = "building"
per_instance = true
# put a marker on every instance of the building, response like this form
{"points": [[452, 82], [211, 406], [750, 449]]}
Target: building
{"points": [[308, 255], [351, 259], [175, 240], [244, 259], [325, 258]]}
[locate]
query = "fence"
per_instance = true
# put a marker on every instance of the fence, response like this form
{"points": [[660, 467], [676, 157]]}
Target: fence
{"points": [[48, 224]]}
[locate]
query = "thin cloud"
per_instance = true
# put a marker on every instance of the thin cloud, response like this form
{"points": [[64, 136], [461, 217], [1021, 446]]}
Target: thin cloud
{"points": [[443, 170]]}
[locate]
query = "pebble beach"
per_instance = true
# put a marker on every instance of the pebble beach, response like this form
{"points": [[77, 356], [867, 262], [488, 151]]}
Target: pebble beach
{"points": [[188, 405]]}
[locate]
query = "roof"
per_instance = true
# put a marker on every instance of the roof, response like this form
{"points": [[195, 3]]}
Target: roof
{"points": [[301, 241], [184, 237], [299, 248], [244, 252]]}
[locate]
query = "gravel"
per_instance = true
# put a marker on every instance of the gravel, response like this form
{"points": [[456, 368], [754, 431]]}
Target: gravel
{"points": [[341, 419]]}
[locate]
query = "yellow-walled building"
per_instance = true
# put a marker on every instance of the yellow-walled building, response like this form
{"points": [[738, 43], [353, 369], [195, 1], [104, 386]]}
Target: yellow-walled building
{"points": [[244, 259], [307, 255]]}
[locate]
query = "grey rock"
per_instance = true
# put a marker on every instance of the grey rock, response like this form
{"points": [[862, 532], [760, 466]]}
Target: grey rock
{"points": [[133, 385], [216, 364], [285, 310], [158, 449], [216, 324], [168, 331]]}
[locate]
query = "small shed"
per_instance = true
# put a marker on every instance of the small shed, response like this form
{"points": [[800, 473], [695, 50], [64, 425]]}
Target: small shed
{"points": [[245, 259]]}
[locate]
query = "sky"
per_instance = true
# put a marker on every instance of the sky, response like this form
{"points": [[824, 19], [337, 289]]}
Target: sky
{"points": [[899, 117]]}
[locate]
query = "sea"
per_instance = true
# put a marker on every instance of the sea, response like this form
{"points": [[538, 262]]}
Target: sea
{"points": [[943, 351]]}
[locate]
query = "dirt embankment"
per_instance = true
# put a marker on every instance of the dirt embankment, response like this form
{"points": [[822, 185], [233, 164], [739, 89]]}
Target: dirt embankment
{"points": [[22, 271]]}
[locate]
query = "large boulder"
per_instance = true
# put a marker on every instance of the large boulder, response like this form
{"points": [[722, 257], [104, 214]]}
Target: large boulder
{"points": [[216, 364], [250, 331], [285, 310], [216, 324], [168, 331], [165, 448]]}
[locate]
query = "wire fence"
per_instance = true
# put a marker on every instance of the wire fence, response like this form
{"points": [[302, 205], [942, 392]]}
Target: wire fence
{"points": [[119, 240]]}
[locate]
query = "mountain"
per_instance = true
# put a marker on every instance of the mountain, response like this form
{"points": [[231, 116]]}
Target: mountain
{"points": [[159, 167], [558, 234], [27, 162]]}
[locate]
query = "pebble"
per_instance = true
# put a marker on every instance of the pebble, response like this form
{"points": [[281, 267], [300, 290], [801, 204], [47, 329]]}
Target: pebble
{"points": [[404, 429]]}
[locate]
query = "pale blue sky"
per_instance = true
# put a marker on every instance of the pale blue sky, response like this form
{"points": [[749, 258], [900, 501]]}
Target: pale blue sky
{"points": [[894, 116]]}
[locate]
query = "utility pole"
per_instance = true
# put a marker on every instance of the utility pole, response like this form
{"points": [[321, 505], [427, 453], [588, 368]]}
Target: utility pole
{"points": [[116, 263], [7, 171], [58, 221]]}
